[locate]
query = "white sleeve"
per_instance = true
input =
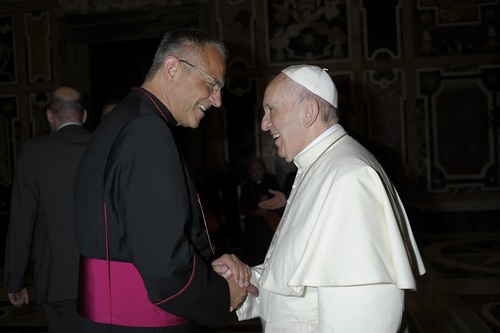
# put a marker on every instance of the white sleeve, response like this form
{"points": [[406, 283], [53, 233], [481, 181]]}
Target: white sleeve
{"points": [[374, 308], [250, 308]]}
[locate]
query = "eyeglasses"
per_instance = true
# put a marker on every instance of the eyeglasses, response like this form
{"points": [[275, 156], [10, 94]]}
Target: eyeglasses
{"points": [[215, 87]]}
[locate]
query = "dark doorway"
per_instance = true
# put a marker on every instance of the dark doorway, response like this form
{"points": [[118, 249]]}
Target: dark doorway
{"points": [[115, 68]]}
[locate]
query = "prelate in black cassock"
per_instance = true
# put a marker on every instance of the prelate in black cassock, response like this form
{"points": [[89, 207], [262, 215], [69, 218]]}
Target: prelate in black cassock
{"points": [[132, 166]]}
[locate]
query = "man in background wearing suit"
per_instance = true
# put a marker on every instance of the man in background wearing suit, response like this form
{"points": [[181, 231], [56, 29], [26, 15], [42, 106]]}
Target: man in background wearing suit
{"points": [[41, 214]]}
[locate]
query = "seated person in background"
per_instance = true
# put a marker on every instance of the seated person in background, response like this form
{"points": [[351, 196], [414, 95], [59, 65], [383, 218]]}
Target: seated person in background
{"points": [[259, 223], [278, 199]]}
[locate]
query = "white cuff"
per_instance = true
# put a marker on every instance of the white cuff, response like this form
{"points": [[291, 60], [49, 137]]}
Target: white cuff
{"points": [[250, 308]]}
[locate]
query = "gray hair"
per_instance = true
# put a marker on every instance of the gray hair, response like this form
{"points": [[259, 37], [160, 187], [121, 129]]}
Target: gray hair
{"points": [[181, 43]]}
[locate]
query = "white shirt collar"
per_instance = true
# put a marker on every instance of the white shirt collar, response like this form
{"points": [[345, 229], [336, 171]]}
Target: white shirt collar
{"points": [[69, 123]]}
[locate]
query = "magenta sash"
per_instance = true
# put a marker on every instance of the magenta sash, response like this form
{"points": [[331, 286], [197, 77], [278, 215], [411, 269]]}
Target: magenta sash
{"points": [[113, 292]]}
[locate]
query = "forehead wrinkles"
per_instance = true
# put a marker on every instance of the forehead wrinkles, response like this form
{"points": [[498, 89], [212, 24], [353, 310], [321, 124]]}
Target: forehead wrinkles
{"points": [[276, 95]]}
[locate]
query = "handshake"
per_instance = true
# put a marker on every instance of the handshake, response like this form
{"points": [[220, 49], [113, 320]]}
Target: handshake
{"points": [[237, 275]]}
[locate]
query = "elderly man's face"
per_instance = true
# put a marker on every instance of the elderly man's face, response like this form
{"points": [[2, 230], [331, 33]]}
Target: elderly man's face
{"points": [[194, 96], [282, 118], [257, 171]]}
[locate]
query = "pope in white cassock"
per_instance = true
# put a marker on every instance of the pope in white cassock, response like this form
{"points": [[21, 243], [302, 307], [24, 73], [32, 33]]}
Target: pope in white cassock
{"points": [[344, 251]]}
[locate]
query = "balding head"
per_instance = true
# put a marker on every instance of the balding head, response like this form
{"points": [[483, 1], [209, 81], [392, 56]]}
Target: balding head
{"points": [[66, 105]]}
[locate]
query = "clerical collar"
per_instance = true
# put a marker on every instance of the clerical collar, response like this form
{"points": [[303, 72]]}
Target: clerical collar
{"points": [[320, 138], [161, 108]]}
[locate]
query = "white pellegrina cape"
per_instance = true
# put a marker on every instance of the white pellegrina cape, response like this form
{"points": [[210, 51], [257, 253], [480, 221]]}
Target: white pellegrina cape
{"points": [[344, 226]]}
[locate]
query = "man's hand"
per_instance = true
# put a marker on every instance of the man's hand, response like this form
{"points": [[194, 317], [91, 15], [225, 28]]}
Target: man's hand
{"points": [[237, 295], [253, 290], [19, 298], [276, 202], [230, 267], [238, 277]]}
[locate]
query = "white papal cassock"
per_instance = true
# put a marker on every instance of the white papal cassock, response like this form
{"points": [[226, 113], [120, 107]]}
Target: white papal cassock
{"points": [[344, 251]]}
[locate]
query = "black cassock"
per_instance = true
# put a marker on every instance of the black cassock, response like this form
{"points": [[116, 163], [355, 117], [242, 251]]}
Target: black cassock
{"points": [[133, 174]]}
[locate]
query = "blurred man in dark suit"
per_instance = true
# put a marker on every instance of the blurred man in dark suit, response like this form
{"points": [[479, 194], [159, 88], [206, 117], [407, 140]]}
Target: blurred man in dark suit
{"points": [[41, 214]]}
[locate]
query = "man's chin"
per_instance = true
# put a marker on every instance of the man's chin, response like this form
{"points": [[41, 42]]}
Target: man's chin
{"points": [[282, 155], [195, 121]]}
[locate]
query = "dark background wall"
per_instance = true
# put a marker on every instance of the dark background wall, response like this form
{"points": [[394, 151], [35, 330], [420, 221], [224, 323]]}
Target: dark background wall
{"points": [[419, 83]]}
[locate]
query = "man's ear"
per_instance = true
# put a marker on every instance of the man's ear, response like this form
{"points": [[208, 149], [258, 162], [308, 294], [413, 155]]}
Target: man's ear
{"points": [[53, 123], [170, 68], [50, 118], [84, 116], [310, 112]]}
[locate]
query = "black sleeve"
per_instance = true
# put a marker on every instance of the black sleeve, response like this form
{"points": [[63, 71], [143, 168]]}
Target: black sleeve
{"points": [[23, 214], [153, 212]]}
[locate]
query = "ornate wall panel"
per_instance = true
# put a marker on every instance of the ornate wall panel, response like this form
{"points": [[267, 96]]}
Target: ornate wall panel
{"points": [[456, 27], [9, 106], [306, 30], [8, 70], [9, 130], [459, 129], [382, 40], [344, 84], [386, 59], [27, 57], [236, 20], [86, 5], [243, 122], [385, 102], [38, 103], [38, 35]]}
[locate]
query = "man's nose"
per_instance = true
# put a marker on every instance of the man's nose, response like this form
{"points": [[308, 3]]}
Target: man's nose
{"points": [[265, 123], [216, 99]]}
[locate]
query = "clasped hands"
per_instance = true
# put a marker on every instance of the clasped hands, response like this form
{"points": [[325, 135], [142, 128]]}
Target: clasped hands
{"points": [[237, 275]]}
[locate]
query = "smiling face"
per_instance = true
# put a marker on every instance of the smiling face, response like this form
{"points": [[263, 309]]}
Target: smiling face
{"points": [[194, 95], [283, 118]]}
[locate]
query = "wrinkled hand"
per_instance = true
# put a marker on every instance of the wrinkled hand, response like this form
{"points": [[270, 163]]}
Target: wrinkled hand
{"points": [[276, 202], [232, 268], [238, 295], [20, 298]]}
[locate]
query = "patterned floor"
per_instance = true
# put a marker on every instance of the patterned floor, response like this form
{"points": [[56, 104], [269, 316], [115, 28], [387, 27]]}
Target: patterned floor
{"points": [[460, 292]]}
